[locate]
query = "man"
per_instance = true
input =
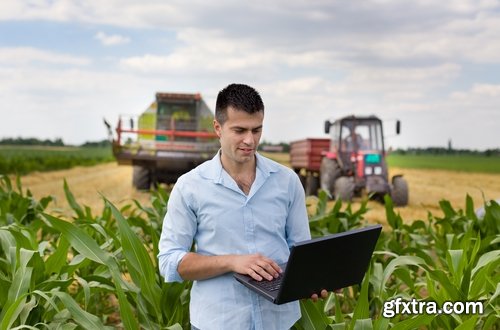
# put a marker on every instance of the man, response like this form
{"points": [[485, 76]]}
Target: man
{"points": [[243, 212]]}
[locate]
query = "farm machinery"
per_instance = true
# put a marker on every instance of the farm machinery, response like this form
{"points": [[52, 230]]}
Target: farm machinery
{"points": [[172, 136], [351, 162]]}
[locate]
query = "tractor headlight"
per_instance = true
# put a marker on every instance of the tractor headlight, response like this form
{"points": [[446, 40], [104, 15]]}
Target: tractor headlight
{"points": [[368, 170], [378, 170]]}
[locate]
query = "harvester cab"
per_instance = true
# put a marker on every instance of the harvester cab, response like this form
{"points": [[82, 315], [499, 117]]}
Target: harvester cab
{"points": [[355, 162], [171, 137]]}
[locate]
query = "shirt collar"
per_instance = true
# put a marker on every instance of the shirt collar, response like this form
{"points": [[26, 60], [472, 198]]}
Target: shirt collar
{"points": [[212, 169]]}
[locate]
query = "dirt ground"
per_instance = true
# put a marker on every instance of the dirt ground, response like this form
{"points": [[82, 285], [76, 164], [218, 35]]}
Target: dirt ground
{"points": [[427, 188]]}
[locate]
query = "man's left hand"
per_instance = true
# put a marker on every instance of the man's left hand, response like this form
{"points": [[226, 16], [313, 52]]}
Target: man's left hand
{"points": [[324, 294]]}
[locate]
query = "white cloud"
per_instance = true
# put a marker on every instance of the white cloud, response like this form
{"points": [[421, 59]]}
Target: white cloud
{"points": [[420, 60], [10, 56], [111, 40]]}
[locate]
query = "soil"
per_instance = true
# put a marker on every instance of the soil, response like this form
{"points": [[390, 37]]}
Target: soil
{"points": [[427, 188]]}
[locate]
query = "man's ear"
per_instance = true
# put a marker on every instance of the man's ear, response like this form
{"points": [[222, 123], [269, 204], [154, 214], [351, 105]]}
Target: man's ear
{"points": [[217, 128]]}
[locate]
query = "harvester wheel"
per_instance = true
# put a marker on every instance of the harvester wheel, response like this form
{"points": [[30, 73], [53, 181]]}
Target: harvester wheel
{"points": [[329, 172], [399, 193], [141, 178], [344, 188]]}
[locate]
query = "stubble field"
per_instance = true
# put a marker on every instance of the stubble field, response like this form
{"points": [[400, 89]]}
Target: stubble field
{"points": [[427, 188]]}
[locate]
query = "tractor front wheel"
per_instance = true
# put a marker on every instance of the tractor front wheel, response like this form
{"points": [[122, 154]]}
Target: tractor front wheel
{"points": [[329, 172]]}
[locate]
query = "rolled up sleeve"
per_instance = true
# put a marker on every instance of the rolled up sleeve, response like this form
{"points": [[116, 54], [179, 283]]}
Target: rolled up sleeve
{"points": [[178, 230]]}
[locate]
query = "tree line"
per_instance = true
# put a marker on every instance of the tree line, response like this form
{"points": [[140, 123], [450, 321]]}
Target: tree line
{"points": [[57, 142], [446, 151]]}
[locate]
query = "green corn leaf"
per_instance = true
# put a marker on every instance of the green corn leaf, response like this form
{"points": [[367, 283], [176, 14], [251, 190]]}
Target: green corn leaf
{"points": [[171, 300], [84, 244], [6, 242], [329, 303], [322, 202], [381, 323], [337, 326], [466, 283], [134, 250], [339, 316], [400, 261], [490, 322], [82, 317], [86, 289], [454, 258], [469, 208], [126, 313], [52, 283], [80, 240], [470, 324], [363, 324], [416, 322], [495, 295], [312, 318], [174, 327], [20, 285], [362, 309], [27, 309], [448, 210], [377, 274], [10, 313], [140, 264], [57, 260], [441, 277], [72, 201], [485, 259]]}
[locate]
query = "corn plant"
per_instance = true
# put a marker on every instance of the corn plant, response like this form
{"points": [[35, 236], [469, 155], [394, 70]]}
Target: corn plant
{"points": [[453, 258], [100, 271], [91, 272]]}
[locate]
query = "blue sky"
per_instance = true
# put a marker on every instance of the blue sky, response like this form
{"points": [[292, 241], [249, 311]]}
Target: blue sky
{"points": [[435, 65]]}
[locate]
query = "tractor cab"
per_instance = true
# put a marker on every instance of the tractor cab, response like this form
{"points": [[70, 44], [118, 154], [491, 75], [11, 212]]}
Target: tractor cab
{"points": [[358, 144], [355, 161]]}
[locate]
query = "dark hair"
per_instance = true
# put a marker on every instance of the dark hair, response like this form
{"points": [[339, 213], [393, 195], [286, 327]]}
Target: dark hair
{"points": [[240, 97]]}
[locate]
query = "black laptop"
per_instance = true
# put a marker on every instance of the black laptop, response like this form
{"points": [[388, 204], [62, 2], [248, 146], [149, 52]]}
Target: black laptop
{"points": [[330, 262]]}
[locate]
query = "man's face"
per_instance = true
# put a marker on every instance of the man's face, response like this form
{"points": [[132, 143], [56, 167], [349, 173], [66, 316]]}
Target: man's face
{"points": [[239, 135]]}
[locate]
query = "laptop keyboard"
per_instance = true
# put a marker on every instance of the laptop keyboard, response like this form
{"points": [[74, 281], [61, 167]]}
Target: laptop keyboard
{"points": [[272, 285]]}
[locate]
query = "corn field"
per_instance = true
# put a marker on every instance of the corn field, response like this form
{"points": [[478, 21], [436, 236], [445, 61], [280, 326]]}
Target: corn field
{"points": [[100, 271]]}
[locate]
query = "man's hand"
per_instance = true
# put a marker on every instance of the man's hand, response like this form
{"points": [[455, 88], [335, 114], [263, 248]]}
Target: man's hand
{"points": [[257, 266], [324, 294]]}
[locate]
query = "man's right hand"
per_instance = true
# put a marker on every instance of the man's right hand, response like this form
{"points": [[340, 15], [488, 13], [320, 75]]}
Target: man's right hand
{"points": [[199, 267], [257, 266]]}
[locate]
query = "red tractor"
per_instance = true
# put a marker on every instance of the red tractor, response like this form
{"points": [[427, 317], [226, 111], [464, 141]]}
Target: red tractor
{"points": [[351, 162]]}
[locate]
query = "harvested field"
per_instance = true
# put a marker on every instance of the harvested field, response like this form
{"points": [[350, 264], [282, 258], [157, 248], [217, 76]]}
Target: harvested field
{"points": [[427, 188]]}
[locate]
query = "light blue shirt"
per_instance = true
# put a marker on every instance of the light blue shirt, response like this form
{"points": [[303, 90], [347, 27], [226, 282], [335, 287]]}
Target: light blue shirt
{"points": [[207, 206]]}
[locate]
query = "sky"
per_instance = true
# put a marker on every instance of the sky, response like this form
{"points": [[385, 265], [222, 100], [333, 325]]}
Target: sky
{"points": [[434, 65]]}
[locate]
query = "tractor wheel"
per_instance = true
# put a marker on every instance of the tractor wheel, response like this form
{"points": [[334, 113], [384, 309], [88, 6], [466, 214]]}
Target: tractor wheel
{"points": [[329, 172], [399, 193], [344, 188], [312, 184], [141, 178], [302, 178]]}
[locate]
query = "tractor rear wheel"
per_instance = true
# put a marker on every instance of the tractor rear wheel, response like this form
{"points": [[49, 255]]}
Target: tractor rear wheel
{"points": [[312, 184], [344, 188], [399, 193], [329, 172], [141, 178]]}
